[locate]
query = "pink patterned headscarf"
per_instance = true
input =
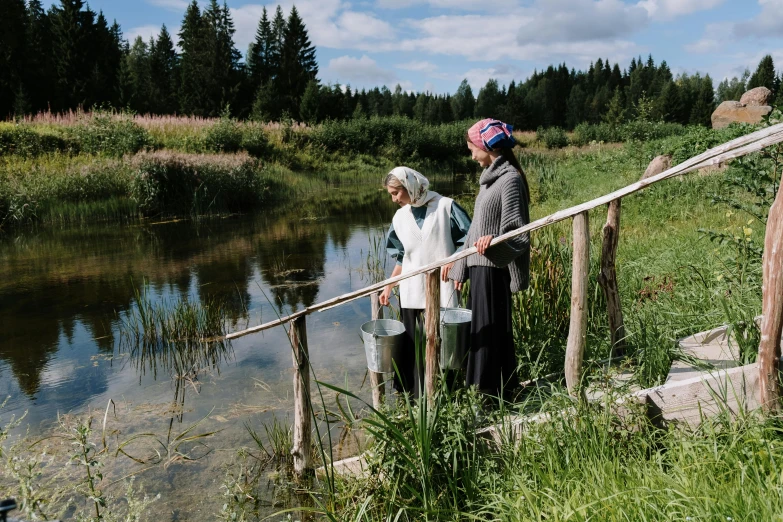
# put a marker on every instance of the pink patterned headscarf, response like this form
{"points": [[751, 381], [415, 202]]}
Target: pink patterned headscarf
{"points": [[490, 134]]}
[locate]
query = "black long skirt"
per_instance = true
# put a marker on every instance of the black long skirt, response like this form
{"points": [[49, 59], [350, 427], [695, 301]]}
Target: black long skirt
{"points": [[492, 361], [409, 376]]}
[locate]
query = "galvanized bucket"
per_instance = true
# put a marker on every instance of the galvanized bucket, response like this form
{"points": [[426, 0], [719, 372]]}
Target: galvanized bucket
{"points": [[454, 337], [382, 343]]}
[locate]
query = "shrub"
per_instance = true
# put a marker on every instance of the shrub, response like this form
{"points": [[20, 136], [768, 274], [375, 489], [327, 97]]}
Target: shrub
{"points": [[178, 184], [111, 135], [22, 140], [552, 137], [224, 136], [255, 141]]}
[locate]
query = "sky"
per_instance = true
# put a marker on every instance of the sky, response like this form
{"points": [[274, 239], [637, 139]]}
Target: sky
{"points": [[431, 45]]}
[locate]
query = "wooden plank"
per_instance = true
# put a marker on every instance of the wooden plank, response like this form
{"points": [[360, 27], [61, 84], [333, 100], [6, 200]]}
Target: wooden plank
{"points": [[376, 379], [577, 330], [301, 448], [607, 278], [772, 309], [684, 402], [730, 150], [432, 321], [707, 395]]}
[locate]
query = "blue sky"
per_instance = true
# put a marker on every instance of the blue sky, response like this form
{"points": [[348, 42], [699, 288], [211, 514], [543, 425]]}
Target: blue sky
{"points": [[433, 44]]}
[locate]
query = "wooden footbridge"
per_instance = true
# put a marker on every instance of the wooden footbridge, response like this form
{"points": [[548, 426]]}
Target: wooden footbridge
{"points": [[687, 394]]}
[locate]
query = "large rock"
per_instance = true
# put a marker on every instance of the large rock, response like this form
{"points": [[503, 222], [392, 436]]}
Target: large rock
{"points": [[658, 165], [758, 96], [733, 111]]}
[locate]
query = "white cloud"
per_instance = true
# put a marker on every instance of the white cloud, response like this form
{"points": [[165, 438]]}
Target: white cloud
{"points": [[768, 23], [330, 23], [174, 5], [504, 74], [145, 31], [668, 9], [468, 5], [418, 66], [362, 70], [715, 37], [580, 21]]}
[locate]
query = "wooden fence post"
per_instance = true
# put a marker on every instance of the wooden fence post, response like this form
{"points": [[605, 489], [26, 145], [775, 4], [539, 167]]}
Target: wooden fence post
{"points": [[608, 278], [301, 448], [432, 321], [772, 309], [376, 379], [577, 330]]}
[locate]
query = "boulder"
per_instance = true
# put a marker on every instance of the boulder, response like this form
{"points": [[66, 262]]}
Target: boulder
{"points": [[758, 96], [733, 111], [658, 165]]}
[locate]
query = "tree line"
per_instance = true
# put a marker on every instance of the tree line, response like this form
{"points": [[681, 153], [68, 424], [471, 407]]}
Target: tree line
{"points": [[69, 56]]}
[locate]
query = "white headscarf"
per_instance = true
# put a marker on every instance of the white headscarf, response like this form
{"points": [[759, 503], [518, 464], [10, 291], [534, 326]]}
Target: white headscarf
{"points": [[416, 185]]}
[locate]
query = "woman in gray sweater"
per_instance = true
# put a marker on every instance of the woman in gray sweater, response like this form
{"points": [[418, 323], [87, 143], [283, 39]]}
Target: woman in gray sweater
{"points": [[495, 272]]}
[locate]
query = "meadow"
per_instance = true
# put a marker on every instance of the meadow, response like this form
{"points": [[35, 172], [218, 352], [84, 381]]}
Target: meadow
{"points": [[689, 259]]}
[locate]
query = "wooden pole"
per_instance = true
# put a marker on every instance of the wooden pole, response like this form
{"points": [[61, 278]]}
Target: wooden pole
{"points": [[301, 449], [772, 309], [432, 321], [577, 331], [608, 278], [376, 379]]}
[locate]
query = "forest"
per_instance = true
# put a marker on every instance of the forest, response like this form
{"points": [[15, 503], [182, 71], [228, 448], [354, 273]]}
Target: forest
{"points": [[70, 57]]}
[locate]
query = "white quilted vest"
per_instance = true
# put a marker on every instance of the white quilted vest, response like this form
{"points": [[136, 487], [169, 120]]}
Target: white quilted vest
{"points": [[422, 246]]}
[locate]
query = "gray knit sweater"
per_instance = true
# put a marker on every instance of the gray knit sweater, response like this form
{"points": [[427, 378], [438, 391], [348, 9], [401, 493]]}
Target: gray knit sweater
{"points": [[501, 206]]}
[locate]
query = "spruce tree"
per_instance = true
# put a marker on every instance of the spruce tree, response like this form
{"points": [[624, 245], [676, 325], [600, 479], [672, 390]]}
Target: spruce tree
{"points": [[13, 47], [298, 64], [311, 99], [463, 104], [704, 105], [259, 59], [164, 70], [38, 70], [72, 28], [194, 63], [615, 111], [140, 78], [489, 99], [764, 75]]}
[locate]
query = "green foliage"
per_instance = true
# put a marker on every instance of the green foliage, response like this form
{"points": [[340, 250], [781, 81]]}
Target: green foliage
{"points": [[110, 134], [255, 141], [170, 184], [586, 133], [28, 141], [397, 138], [224, 136], [552, 137]]}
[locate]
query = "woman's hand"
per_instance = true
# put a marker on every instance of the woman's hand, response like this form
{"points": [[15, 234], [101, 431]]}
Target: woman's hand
{"points": [[458, 286], [483, 243], [444, 272], [384, 297]]}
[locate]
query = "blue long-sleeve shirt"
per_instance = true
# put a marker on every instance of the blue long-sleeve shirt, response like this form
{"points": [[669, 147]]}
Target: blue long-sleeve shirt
{"points": [[460, 224]]}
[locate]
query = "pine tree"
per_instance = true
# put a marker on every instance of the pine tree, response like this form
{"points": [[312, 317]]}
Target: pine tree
{"points": [[298, 64], [222, 59], [13, 46], [103, 84], [265, 106], [668, 106], [164, 70], [764, 75]]}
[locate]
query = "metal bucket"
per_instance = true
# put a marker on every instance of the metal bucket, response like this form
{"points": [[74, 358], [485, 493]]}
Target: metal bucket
{"points": [[382, 343], [454, 337]]}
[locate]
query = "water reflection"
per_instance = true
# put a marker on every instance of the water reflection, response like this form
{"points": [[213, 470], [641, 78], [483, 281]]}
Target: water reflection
{"points": [[64, 292]]}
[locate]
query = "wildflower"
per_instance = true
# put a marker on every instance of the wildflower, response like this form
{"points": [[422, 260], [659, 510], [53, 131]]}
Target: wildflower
{"points": [[747, 230], [729, 213], [720, 277], [750, 222]]}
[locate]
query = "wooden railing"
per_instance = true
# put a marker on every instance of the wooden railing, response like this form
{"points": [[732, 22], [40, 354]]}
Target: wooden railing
{"points": [[772, 309]]}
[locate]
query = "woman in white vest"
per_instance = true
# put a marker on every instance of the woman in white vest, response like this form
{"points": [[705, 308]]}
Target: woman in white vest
{"points": [[426, 228]]}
